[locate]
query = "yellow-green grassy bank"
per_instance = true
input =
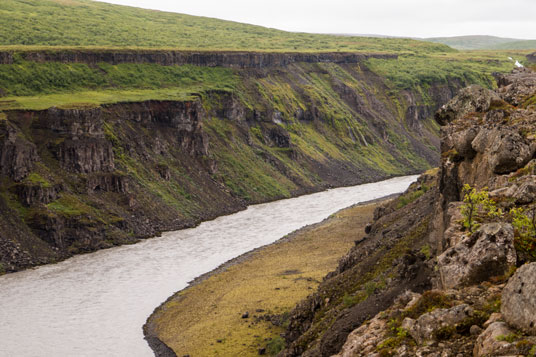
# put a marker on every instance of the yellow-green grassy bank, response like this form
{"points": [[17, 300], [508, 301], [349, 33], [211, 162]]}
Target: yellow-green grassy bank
{"points": [[206, 319]]}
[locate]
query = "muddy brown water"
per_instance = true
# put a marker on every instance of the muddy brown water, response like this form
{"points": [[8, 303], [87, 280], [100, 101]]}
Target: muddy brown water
{"points": [[96, 304]]}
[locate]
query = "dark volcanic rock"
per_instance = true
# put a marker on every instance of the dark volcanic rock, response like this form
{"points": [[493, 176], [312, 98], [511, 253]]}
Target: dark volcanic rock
{"points": [[514, 88], [208, 59], [86, 155], [280, 137], [37, 194], [17, 154], [108, 183]]}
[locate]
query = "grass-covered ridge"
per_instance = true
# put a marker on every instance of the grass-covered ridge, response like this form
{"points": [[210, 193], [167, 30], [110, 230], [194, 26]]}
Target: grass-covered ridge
{"points": [[484, 42], [90, 23], [470, 67], [31, 85]]}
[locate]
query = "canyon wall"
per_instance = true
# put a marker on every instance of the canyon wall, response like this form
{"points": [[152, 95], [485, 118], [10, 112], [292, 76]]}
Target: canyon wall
{"points": [[77, 179], [199, 58]]}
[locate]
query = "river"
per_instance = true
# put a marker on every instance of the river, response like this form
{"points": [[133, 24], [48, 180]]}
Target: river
{"points": [[96, 304]]}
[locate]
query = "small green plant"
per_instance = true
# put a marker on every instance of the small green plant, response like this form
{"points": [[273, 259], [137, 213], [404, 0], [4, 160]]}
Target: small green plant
{"points": [[370, 287], [258, 133], [426, 250], [511, 337], [351, 300], [445, 333], [524, 222], [526, 348], [428, 302], [493, 305], [275, 345], [412, 196], [477, 207]]}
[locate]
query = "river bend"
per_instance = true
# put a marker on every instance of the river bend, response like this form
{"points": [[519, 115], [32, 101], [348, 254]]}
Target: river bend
{"points": [[96, 304]]}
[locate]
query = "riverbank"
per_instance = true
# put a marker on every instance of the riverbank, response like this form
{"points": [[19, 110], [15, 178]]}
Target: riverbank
{"points": [[241, 307]]}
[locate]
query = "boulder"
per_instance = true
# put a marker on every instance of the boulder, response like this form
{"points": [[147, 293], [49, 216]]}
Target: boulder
{"points": [[364, 340], [506, 150], [518, 305], [462, 142], [423, 328], [487, 252], [525, 193], [488, 342], [471, 99]]}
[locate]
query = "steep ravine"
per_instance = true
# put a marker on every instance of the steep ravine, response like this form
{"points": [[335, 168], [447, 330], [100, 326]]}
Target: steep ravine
{"points": [[82, 178], [444, 270]]}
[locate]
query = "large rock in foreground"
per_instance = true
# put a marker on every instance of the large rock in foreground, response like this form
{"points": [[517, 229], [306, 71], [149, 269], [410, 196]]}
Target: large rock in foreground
{"points": [[471, 99], [519, 299], [489, 342], [426, 325], [487, 252]]}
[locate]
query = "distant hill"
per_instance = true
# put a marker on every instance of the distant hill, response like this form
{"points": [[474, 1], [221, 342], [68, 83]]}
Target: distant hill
{"points": [[517, 45], [484, 43], [91, 23]]}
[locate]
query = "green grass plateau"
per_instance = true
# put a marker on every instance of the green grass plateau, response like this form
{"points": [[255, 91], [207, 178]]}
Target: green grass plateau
{"points": [[90, 23]]}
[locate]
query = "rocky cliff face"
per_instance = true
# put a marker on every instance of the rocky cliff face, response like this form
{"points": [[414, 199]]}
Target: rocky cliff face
{"points": [[198, 58], [75, 180], [433, 277]]}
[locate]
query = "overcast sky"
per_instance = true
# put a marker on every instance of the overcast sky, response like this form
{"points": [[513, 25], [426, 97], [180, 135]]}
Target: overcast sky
{"points": [[417, 18]]}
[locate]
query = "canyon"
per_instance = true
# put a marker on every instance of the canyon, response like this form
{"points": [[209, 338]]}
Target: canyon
{"points": [[81, 177]]}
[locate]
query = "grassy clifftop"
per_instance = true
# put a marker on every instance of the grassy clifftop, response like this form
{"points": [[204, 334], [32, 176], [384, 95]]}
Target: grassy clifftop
{"points": [[90, 23]]}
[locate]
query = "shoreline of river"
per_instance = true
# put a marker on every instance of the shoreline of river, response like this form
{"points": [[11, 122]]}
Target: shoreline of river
{"points": [[160, 349], [224, 212]]}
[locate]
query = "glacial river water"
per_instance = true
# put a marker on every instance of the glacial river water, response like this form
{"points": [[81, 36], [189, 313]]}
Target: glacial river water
{"points": [[96, 304]]}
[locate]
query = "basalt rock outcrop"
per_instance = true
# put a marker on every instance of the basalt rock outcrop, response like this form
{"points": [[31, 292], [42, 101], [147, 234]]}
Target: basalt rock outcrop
{"points": [[478, 305], [198, 58], [17, 154]]}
